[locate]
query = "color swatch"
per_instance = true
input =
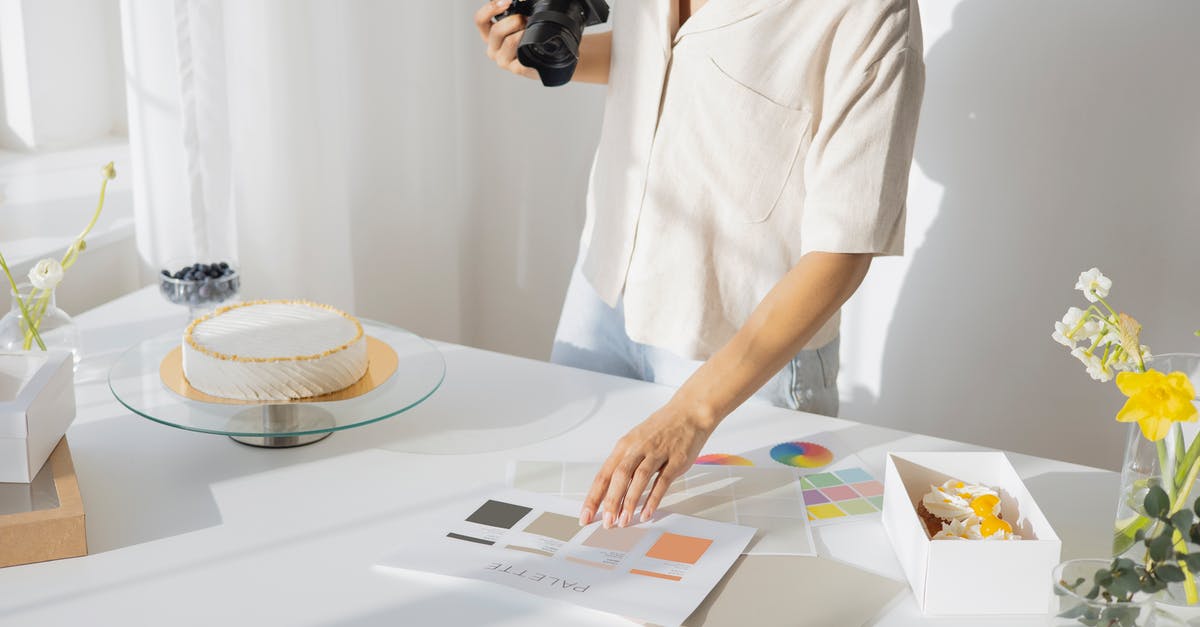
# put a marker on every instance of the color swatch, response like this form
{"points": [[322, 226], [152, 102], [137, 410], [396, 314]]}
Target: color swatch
{"points": [[620, 539], [498, 514], [678, 548], [723, 459], [554, 526], [841, 493], [801, 454], [492, 514]]}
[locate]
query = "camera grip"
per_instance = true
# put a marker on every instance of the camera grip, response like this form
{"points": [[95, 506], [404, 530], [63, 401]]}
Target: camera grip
{"points": [[516, 8]]}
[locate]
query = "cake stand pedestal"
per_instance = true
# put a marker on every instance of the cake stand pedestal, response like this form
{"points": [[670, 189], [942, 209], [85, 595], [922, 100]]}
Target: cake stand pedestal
{"points": [[137, 381]]}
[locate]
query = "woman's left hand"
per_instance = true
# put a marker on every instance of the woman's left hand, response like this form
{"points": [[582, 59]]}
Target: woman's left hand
{"points": [[665, 443]]}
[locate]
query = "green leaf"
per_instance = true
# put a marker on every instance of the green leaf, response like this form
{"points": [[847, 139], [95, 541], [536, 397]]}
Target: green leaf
{"points": [[1193, 561], [1160, 547], [1093, 593], [1194, 534], [1157, 504], [1169, 573], [1182, 520]]}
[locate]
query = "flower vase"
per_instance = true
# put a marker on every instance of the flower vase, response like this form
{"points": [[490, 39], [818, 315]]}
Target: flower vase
{"points": [[57, 329], [1072, 608], [1143, 467]]}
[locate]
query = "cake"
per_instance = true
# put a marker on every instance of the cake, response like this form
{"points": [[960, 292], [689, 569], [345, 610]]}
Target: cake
{"points": [[957, 510], [274, 350]]}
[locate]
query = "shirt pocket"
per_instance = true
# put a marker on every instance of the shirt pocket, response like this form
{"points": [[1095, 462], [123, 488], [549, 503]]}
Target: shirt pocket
{"points": [[738, 147]]}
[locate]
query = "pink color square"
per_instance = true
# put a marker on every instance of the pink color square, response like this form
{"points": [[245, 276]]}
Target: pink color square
{"points": [[869, 488], [839, 493]]}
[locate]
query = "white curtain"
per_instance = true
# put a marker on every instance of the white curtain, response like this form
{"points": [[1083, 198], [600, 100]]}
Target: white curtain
{"points": [[362, 153]]}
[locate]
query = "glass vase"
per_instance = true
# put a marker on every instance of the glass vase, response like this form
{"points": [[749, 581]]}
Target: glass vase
{"points": [[57, 329], [1073, 608], [1143, 467]]}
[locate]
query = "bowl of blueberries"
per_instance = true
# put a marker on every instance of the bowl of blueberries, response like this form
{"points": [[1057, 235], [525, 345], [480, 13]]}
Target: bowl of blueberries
{"points": [[200, 286]]}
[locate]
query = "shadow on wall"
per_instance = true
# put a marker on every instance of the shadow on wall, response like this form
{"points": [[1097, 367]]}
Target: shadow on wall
{"points": [[1066, 135]]}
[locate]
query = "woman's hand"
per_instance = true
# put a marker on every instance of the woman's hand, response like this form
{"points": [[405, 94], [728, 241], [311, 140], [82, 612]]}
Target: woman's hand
{"points": [[503, 37], [666, 443]]}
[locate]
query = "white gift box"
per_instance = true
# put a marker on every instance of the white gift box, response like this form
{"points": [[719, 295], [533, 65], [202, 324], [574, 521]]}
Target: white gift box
{"points": [[954, 577], [37, 404]]}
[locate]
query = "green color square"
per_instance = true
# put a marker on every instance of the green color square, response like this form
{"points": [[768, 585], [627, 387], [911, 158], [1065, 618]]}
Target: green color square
{"points": [[824, 480], [857, 506], [877, 501], [805, 483]]}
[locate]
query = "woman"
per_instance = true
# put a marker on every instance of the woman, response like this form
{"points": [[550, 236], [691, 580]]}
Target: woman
{"points": [[754, 158]]}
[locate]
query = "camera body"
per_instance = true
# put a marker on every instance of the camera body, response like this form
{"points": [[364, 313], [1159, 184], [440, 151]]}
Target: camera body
{"points": [[553, 30]]}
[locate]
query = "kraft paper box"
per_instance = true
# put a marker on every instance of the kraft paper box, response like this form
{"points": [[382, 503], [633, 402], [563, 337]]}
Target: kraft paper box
{"points": [[954, 577], [46, 522], [37, 404]]}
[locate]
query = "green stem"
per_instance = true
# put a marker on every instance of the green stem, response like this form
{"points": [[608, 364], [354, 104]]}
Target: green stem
{"points": [[1169, 486], [21, 303]]}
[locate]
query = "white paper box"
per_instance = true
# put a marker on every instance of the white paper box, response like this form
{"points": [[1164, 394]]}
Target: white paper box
{"points": [[37, 404], [954, 577]]}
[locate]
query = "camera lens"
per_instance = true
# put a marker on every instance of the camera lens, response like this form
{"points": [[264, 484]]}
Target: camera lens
{"points": [[551, 40]]}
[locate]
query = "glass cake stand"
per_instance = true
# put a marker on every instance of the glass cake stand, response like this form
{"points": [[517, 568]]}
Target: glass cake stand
{"points": [[139, 380]]}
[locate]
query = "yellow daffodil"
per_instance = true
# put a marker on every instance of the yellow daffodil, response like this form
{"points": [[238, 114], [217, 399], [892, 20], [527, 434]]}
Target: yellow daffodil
{"points": [[1156, 400]]}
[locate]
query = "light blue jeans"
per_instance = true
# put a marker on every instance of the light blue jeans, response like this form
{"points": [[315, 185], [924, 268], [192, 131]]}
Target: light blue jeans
{"points": [[591, 335]]}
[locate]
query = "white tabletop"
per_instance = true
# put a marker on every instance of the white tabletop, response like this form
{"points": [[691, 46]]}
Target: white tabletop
{"points": [[194, 529]]}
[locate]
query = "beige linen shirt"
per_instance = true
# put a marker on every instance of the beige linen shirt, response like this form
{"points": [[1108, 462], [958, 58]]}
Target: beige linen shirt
{"points": [[760, 131]]}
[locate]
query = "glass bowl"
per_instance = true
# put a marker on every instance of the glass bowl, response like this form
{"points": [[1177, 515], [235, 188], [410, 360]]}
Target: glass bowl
{"points": [[201, 287]]}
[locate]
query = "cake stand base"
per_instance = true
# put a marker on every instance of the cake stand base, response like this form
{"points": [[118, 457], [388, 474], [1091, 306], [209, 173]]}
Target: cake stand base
{"points": [[287, 420]]}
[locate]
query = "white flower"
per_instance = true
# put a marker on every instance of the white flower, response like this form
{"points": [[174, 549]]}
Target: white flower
{"points": [[1095, 367], [1093, 284], [46, 275], [1062, 335]]}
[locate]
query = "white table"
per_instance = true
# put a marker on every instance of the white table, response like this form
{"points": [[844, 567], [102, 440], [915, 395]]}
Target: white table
{"points": [[193, 529]]}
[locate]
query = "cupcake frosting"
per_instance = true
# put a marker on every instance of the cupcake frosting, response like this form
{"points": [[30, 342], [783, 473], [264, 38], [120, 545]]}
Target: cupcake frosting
{"points": [[952, 500], [972, 529]]}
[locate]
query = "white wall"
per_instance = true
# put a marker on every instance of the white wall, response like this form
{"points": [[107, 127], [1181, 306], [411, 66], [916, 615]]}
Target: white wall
{"points": [[1055, 136]]}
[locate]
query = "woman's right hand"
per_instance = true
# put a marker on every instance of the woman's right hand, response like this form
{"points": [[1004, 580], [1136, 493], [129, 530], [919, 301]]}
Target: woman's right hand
{"points": [[502, 37]]}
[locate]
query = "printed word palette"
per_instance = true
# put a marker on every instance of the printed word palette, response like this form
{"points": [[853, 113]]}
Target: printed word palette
{"points": [[768, 499], [657, 572]]}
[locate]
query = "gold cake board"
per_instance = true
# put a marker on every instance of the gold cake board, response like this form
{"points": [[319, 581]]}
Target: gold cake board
{"points": [[290, 415]]}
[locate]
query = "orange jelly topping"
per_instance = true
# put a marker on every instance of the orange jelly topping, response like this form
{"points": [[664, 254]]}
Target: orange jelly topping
{"points": [[989, 523]]}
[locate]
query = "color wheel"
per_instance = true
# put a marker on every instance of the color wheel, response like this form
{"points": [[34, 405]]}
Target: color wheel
{"points": [[723, 459], [801, 454]]}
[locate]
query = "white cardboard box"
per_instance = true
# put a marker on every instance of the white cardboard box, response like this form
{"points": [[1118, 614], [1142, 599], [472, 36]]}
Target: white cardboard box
{"points": [[37, 404], [953, 577]]}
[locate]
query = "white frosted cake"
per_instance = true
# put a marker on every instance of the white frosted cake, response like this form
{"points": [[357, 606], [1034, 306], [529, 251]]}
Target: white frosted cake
{"points": [[274, 350]]}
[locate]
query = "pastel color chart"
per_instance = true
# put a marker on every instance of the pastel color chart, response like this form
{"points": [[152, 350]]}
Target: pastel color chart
{"points": [[841, 493], [801, 454], [723, 459]]}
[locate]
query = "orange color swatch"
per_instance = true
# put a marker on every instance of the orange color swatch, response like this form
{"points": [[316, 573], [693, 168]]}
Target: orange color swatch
{"points": [[658, 575], [677, 548]]}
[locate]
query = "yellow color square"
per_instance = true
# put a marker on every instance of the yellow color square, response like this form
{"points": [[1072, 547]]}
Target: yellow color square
{"points": [[825, 510]]}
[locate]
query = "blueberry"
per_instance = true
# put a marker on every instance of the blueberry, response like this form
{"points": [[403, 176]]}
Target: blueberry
{"points": [[214, 273], [205, 291], [178, 274], [223, 265], [166, 273]]}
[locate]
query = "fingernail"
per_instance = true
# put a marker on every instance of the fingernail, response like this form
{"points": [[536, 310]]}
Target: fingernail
{"points": [[625, 516], [646, 515], [500, 4], [608, 520], [585, 517]]}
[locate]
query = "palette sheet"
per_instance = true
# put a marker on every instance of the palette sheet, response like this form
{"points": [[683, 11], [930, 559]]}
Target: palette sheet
{"points": [[657, 572]]}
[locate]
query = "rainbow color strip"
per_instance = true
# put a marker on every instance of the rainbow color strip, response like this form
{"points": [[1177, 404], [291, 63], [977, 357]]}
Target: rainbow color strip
{"points": [[801, 454], [723, 459]]}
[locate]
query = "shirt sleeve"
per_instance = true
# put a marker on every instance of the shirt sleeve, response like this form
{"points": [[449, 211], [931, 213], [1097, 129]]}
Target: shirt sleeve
{"points": [[856, 173]]}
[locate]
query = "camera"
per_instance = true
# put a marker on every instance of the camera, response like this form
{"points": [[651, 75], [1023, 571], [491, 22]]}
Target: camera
{"points": [[553, 30]]}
